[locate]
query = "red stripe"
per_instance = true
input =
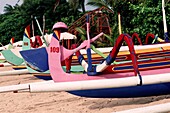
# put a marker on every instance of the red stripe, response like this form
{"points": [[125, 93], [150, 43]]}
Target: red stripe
{"points": [[1, 65]]}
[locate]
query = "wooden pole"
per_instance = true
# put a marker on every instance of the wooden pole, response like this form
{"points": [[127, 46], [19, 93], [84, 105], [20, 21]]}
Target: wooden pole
{"points": [[164, 22], [119, 24], [32, 26]]}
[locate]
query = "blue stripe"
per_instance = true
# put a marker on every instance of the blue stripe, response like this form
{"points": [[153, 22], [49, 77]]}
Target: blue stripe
{"points": [[91, 70], [109, 59], [143, 65], [87, 18], [166, 37], [80, 59], [55, 36], [26, 35], [154, 54], [89, 59]]}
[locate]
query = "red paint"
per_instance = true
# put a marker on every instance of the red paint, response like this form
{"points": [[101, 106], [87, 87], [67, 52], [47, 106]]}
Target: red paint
{"points": [[54, 49]]}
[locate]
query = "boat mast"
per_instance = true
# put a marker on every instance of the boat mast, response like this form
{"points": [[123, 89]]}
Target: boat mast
{"points": [[164, 22], [119, 23]]}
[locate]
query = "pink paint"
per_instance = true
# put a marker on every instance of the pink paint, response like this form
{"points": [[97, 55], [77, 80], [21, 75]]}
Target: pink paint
{"points": [[65, 53], [59, 75]]}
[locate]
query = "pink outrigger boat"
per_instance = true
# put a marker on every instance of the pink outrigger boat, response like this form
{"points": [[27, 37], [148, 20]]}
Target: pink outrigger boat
{"points": [[59, 75], [107, 85], [94, 83]]}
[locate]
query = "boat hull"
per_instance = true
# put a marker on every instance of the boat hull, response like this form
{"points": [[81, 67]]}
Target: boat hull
{"points": [[43, 77], [126, 92], [120, 85], [12, 56]]}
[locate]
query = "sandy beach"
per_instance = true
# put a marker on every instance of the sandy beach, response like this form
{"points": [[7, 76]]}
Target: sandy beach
{"points": [[63, 102]]}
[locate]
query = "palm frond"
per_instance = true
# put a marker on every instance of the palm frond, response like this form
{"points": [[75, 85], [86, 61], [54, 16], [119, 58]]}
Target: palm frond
{"points": [[81, 30], [109, 38]]}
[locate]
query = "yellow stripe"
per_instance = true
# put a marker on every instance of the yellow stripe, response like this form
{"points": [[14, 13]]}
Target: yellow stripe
{"points": [[26, 32], [158, 49], [18, 67]]}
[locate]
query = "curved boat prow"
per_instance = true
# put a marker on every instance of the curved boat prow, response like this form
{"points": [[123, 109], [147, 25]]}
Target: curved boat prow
{"points": [[12, 56], [38, 58]]}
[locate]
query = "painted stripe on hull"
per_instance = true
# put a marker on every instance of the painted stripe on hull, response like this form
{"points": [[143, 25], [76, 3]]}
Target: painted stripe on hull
{"points": [[47, 77], [96, 59], [42, 62], [153, 65], [18, 67], [145, 66]]}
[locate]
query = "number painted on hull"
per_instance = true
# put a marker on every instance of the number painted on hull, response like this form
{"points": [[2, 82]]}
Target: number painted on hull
{"points": [[54, 49]]}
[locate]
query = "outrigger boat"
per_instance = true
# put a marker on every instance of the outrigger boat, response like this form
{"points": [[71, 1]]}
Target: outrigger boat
{"points": [[97, 81], [148, 56], [128, 84], [13, 56], [15, 59], [102, 85], [11, 45], [45, 74], [123, 55]]}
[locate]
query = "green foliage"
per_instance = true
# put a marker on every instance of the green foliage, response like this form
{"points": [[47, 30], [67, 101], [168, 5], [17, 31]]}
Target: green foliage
{"points": [[82, 33], [144, 18], [109, 38], [16, 18], [136, 16]]}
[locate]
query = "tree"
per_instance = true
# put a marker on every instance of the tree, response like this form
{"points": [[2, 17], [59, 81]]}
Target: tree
{"points": [[137, 15], [8, 8], [76, 4], [16, 18]]}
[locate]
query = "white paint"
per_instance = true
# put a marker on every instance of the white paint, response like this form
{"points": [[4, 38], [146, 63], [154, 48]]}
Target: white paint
{"points": [[161, 108], [50, 86], [125, 48], [100, 84], [21, 87], [14, 72]]}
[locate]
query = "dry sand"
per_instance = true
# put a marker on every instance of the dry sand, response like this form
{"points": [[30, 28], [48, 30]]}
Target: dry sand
{"points": [[63, 102]]}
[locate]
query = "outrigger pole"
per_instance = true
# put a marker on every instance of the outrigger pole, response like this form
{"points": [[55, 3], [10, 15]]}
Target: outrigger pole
{"points": [[50, 86], [164, 22]]}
